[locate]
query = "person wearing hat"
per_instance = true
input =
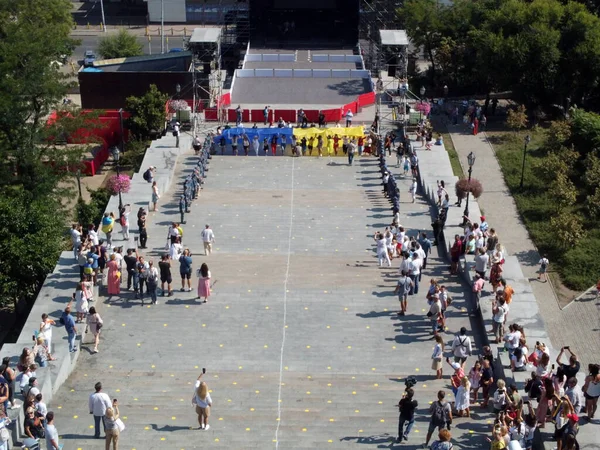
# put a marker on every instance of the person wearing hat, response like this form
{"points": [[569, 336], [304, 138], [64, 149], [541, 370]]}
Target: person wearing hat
{"points": [[457, 376], [483, 226]]}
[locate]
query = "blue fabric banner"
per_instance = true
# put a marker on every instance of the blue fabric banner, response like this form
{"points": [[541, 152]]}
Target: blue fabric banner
{"points": [[262, 133]]}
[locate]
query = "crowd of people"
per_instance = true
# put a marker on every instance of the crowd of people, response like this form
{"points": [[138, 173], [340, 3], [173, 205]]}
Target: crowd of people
{"points": [[100, 261], [553, 394]]}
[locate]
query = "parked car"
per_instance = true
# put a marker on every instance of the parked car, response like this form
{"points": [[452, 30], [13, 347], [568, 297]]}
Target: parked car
{"points": [[88, 58]]}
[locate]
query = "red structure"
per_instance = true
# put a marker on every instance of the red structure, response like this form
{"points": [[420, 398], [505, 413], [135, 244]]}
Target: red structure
{"points": [[104, 130]]}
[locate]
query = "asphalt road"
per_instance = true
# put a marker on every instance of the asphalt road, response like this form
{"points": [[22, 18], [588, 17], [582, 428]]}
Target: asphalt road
{"points": [[152, 47]]}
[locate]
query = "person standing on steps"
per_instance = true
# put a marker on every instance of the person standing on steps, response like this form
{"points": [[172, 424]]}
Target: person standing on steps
{"points": [[165, 274], [441, 416], [185, 270], [204, 282], [98, 403], [407, 408], [152, 282], [202, 402], [413, 190], [95, 323], [155, 196], [405, 285], [461, 347], [208, 238]]}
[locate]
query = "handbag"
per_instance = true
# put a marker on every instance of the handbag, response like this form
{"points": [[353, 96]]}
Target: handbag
{"points": [[120, 425]]}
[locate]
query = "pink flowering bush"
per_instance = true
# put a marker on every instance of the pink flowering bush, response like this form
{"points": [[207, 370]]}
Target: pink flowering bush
{"points": [[118, 183], [423, 107], [178, 105]]}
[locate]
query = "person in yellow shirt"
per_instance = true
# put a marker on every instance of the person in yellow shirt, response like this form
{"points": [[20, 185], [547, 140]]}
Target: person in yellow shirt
{"points": [[330, 144]]}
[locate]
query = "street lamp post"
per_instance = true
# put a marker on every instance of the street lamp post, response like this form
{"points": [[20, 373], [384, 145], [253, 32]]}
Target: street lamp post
{"points": [[422, 92], [471, 162], [526, 142], [162, 26], [103, 19]]}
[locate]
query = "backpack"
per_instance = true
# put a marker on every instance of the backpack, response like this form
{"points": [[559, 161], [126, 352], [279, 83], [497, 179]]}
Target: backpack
{"points": [[146, 175], [439, 417], [407, 285], [123, 220]]}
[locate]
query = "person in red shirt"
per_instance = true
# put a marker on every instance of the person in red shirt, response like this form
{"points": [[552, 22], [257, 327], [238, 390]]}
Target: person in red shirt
{"points": [[455, 253], [361, 143], [336, 143]]}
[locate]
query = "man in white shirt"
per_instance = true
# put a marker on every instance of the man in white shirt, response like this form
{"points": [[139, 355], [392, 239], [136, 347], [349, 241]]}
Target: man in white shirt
{"points": [[76, 238], [51, 432], [499, 310], [93, 235], [40, 406], [208, 237], [98, 403], [415, 271], [575, 394], [461, 347]]}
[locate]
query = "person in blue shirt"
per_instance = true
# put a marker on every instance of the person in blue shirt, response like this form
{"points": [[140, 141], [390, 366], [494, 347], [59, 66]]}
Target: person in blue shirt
{"points": [[70, 327], [426, 246], [182, 205]]}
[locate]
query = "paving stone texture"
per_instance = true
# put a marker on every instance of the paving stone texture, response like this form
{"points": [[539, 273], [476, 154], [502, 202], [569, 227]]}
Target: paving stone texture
{"points": [[300, 340]]}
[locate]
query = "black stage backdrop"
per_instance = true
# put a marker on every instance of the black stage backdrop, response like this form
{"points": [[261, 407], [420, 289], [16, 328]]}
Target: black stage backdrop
{"points": [[325, 22]]}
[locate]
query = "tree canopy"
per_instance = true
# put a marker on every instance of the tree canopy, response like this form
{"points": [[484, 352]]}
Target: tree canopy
{"points": [[33, 159], [547, 52], [120, 45], [147, 113]]}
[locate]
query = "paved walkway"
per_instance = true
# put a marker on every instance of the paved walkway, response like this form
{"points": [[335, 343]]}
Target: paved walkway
{"points": [[577, 324], [300, 340]]}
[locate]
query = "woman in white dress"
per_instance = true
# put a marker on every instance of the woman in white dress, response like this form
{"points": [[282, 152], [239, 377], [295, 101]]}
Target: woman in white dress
{"points": [[81, 303], [388, 242], [46, 332], [382, 254], [175, 250], [463, 397]]}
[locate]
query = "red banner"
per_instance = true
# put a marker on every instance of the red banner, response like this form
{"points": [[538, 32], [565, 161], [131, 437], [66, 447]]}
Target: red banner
{"points": [[289, 115], [366, 99]]}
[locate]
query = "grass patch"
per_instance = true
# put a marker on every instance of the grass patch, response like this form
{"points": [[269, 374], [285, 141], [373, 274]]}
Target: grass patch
{"points": [[577, 266], [454, 161]]}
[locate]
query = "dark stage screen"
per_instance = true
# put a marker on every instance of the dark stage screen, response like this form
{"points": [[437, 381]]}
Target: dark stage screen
{"points": [[304, 22], [305, 4]]}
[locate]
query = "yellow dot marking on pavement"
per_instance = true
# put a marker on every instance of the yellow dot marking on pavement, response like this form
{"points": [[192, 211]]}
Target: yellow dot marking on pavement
{"points": [[380, 403], [220, 345], [376, 385], [249, 290], [251, 409], [163, 439], [328, 384], [417, 369], [148, 306], [417, 431], [306, 410], [227, 307], [246, 326], [304, 429], [187, 306], [332, 420], [110, 367], [360, 431], [324, 292], [135, 399], [240, 367], [305, 308], [228, 400], [309, 377], [431, 403], [385, 309], [118, 390], [471, 432], [356, 411], [308, 346], [328, 367], [220, 418], [353, 392], [164, 325], [328, 326], [75, 417], [156, 408], [266, 307], [307, 392], [122, 324], [247, 429], [234, 383], [203, 325], [257, 392], [179, 345], [382, 420], [345, 309], [153, 366], [354, 378], [173, 418], [139, 345], [349, 347], [286, 367], [91, 427], [266, 346], [330, 441], [328, 401], [424, 385], [286, 326]]}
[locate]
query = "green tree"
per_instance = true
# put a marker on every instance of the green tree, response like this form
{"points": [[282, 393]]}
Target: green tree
{"points": [[567, 228], [147, 113], [516, 118], [563, 191], [593, 204], [120, 45], [31, 238], [591, 176]]}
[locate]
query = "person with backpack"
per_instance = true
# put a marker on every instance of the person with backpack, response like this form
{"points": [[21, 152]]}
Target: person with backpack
{"points": [[403, 288], [176, 128], [152, 282], [461, 347], [124, 220], [149, 174], [441, 416], [142, 273], [543, 272]]}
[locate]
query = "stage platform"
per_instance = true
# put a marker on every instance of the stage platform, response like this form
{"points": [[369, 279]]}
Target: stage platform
{"points": [[298, 91]]}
